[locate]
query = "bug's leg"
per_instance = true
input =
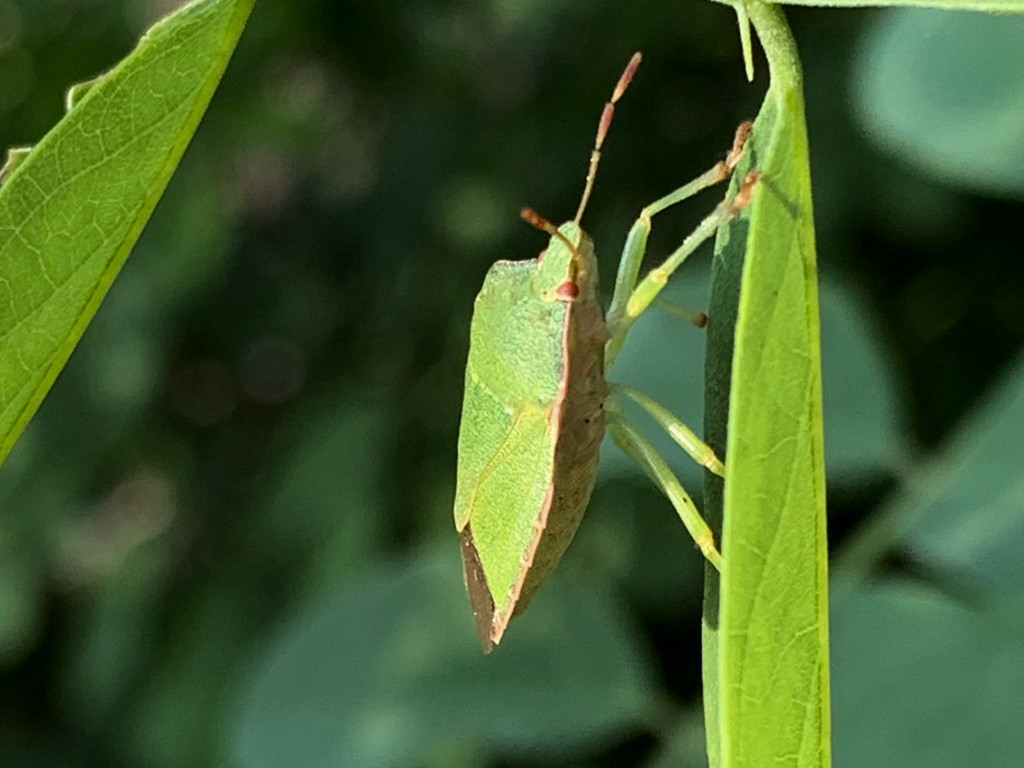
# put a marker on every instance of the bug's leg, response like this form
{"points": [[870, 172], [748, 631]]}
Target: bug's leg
{"points": [[634, 445], [636, 241], [694, 316], [647, 290], [684, 437]]}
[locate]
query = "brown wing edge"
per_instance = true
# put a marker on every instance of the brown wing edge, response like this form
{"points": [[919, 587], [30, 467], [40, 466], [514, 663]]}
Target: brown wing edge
{"points": [[479, 593], [577, 416]]}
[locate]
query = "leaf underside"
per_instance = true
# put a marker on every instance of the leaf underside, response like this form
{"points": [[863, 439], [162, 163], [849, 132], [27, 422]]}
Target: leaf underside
{"points": [[71, 211]]}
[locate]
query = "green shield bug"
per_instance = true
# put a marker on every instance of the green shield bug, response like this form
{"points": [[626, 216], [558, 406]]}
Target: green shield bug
{"points": [[537, 401]]}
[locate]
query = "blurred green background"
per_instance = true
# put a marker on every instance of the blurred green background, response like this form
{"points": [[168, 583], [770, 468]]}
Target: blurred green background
{"points": [[226, 538]]}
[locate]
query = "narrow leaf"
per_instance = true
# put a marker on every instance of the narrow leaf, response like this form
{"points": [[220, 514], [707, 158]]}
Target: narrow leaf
{"points": [[71, 210], [766, 652]]}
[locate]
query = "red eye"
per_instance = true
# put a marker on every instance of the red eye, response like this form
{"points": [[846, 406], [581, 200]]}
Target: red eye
{"points": [[567, 290]]}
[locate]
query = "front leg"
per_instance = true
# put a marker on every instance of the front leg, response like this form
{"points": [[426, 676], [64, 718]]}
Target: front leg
{"points": [[620, 312], [649, 288]]}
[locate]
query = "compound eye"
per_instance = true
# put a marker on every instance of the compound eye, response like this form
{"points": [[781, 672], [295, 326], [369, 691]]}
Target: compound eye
{"points": [[567, 291]]}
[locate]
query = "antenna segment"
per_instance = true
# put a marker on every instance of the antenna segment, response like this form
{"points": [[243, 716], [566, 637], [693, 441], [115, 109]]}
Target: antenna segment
{"points": [[602, 130]]}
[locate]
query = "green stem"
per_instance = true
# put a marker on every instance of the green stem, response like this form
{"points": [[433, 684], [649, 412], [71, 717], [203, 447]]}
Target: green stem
{"points": [[778, 44]]}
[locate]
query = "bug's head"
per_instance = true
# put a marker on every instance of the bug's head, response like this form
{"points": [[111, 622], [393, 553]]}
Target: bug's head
{"points": [[568, 269], [574, 239]]}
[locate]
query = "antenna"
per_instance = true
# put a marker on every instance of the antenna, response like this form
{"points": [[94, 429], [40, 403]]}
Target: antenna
{"points": [[568, 290], [534, 219], [602, 130]]}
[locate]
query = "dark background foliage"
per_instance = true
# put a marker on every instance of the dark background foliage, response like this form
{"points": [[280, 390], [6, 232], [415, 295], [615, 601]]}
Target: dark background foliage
{"points": [[226, 538]]}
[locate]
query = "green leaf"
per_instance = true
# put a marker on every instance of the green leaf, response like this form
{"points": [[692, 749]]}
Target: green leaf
{"points": [[960, 517], [863, 418], [1006, 6], [960, 513], [972, 524], [923, 680], [71, 211], [766, 651], [943, 92], [335, 689]]}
